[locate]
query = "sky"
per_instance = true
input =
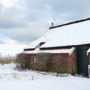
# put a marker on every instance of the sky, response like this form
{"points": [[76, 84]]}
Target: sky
{"points": [[22, 21]]}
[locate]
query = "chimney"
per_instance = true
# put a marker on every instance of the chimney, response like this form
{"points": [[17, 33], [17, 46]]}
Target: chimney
{"points": [[52, 24]]}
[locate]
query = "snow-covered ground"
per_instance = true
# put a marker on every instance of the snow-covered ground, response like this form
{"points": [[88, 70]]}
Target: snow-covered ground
{"points": [[12, 79]]}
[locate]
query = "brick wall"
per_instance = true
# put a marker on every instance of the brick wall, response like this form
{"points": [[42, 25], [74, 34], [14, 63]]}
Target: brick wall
{"points": [[61, 63]]}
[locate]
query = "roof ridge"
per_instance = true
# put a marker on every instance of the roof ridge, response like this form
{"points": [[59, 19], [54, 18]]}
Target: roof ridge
{"points": [[69, 23]]}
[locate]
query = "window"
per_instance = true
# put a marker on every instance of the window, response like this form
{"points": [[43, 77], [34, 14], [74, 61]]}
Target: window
{"points": [[40, 44], [35, 60]]}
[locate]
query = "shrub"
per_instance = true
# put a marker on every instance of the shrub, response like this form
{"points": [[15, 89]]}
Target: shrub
{"points": [[23, 61], [7, 60]]}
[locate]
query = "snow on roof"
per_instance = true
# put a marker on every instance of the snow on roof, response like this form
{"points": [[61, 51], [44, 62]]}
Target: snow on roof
{"points": [[69, 51], [74, 34]]}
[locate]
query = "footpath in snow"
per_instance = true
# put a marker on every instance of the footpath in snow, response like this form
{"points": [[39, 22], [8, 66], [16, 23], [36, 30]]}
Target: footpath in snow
{"points": [[12, 79]]}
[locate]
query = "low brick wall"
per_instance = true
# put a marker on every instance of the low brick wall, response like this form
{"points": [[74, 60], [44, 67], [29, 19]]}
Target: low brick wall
{"points": [[61, 63], [37, 64]]}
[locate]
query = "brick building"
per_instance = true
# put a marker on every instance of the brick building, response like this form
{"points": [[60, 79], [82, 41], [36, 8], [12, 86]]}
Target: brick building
{"points": [[67, 44]]}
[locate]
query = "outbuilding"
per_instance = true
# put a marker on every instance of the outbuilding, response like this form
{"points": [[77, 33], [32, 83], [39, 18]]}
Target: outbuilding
{"points": [[67, 43]]}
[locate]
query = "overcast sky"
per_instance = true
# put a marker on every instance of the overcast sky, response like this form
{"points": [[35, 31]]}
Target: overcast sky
{"points": [[26, 20]]}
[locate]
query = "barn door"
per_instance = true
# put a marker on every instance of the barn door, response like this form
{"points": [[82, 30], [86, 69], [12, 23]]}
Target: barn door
{"points": [[82, 60]]}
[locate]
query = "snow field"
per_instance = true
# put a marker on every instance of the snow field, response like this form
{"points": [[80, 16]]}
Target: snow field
{"points": [[12, 79]]}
